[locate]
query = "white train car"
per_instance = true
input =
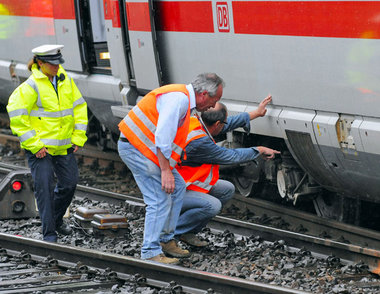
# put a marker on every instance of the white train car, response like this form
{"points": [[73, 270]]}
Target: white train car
{"points": [[318, 59]]}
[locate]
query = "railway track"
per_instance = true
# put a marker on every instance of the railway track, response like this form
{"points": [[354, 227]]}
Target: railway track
{"points": [[269, 213], [326, 246], [323, 231], [42, 274], [358, 244], [348, 254], [356, 248], [187, 278], [65, 259], [370, 254]]}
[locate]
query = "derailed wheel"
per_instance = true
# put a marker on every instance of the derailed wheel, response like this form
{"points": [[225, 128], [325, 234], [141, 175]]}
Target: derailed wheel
{"points": [[247, 187], [333, 206], [327, 206], [250, 181]]}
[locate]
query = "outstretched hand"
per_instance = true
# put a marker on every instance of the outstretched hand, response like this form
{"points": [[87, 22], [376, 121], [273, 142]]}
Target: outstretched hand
{"points": [[267, 153], [261, 110]]}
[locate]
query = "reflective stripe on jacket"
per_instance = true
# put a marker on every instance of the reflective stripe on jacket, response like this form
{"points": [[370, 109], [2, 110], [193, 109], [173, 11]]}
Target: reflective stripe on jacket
{"points": [[139, 125], [198, 178], [42, 117]]}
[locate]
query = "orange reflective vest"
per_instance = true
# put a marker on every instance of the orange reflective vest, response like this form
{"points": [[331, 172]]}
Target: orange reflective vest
{"points": [[139, 125], [199, 178]]}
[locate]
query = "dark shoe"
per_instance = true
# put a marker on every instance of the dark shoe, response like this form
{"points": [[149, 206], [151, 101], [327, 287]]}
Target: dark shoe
{"points": [[163, 259], [171, 248], [64, 229], [193, 240]]}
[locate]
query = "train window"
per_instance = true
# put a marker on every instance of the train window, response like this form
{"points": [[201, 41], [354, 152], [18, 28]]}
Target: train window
{"points": [[97, 22]]}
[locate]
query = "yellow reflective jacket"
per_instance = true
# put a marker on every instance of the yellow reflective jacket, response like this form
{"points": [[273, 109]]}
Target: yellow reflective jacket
{"points": [[42, 117]]}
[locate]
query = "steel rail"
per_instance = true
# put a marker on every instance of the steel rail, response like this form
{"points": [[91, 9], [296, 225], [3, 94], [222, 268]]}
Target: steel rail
{"points": [[347, 252], [191, 279], [314, 224]]}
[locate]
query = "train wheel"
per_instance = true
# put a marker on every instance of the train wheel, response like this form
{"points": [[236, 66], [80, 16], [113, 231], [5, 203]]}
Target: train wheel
{"points": [[249, 181], [333, 206], [248, 187], [100, 136], [328, 206]]}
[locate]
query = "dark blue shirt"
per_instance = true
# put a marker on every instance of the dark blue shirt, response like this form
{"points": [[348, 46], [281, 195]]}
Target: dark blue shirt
{"points": [[204, 150]]}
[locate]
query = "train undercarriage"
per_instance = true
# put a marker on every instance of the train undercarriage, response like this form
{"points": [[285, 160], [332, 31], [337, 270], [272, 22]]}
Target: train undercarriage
{"points": [[282, 180]]}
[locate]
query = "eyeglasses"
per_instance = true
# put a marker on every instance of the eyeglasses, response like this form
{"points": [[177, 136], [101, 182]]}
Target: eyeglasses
{"points": [[223, 122]]}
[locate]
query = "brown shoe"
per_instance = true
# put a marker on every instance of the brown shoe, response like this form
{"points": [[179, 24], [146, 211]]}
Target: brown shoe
{"points": [[163, 259], [171, 248], [193, 240]]}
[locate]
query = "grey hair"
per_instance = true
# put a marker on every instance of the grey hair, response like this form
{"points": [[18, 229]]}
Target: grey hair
{"points": [[207, 82]]}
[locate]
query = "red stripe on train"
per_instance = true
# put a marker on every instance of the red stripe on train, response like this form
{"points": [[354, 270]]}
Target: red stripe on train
{"points": [[138, 16], [173, 16], [183, 16], [58, 9], [42, 8], [339, 19], [64, 9], [107, 8]]}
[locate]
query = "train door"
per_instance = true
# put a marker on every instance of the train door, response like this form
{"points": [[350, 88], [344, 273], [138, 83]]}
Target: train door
{"points": [[66, 32], [92, 36], [142, 38], [118, 41], [118, 37]]}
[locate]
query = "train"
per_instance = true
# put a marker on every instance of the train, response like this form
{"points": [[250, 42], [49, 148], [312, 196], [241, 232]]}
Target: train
{"points": [[318, 59]]}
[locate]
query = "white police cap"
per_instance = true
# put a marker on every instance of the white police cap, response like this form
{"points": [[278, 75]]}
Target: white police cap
{"points": [[49, 53]]}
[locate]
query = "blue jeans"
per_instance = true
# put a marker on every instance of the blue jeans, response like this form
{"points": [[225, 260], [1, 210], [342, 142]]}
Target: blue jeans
{"points": [[53, 200], [162, 210], [199, 208]]}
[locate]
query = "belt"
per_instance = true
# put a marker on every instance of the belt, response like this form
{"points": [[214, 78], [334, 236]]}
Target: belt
{"points": [[122, 139]]}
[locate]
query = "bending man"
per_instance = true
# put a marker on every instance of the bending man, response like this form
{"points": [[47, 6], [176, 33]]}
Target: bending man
{"points": [[206, 193], [153, 135]]}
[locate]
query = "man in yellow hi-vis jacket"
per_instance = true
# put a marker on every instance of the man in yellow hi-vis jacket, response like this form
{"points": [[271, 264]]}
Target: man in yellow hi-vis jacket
{"points": [[49, 115]]}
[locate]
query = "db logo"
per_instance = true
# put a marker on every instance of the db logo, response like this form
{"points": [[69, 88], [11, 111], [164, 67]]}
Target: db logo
{"points": [[222, 16]]}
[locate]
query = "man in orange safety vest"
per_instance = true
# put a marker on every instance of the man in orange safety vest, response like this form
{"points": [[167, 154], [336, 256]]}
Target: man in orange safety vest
{"points": [[153, 135], [206, 192]]}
